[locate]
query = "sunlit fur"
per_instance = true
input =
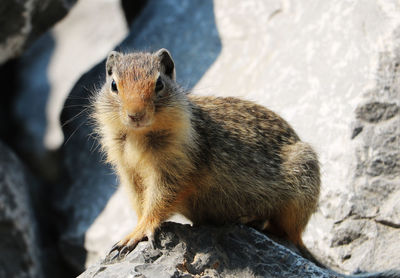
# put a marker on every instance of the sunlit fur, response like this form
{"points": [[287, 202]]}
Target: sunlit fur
{"points": [[214, 160]]}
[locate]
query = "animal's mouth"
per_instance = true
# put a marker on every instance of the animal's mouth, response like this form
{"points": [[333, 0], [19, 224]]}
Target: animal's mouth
{"points": [[139, 125], [138, 122]]}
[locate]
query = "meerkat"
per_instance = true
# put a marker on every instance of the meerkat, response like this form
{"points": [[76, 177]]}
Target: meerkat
{"points": [[213, 160]]}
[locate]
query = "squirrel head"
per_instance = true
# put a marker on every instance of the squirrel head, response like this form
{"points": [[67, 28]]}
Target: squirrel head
{"points": [[137, 85]]}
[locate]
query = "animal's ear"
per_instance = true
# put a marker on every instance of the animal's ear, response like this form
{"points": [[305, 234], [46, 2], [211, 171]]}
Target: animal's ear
{"points": [[112, 58], [166, 63]]}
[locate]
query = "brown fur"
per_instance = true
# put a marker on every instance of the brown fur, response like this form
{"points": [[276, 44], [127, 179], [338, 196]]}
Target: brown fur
{"points": [[214, 160]]}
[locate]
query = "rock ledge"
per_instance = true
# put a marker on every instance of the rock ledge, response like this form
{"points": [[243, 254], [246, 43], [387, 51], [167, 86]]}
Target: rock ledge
{"points": [[231, 251]]}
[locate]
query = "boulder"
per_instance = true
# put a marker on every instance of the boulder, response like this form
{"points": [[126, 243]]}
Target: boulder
{"points": [[331, 69], [231, 251], [43, 76], [374, 195], [95, 218], [20, 255], [22, 22], [37, 84]]}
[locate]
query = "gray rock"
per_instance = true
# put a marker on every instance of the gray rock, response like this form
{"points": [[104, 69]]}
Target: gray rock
{"points": [[376, 182], [43, 76], [21, 22], [87, 198], [28, 108], [19, 247], [329, 68], [39, 81], [232, 251], [332, 70], [374, 112]]}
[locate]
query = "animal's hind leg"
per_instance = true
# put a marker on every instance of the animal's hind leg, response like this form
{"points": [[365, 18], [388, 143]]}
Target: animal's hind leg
{"points": [[301, 175], [289, 223]]}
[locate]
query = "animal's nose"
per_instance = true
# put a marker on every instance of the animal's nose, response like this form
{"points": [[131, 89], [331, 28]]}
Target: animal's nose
{"points": [[137, 117]]}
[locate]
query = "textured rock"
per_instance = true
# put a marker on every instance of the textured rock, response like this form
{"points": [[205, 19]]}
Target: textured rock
{"points": [[19, 248], [21, 22], [44, 75], [184, 251], [37, 84], [84, 36], [28, 108], [376, 181], [375, 112], [88, 200], [331, 69]]}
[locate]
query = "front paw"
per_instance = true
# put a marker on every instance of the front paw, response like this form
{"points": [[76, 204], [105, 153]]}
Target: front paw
{"points": [[122, 248]]}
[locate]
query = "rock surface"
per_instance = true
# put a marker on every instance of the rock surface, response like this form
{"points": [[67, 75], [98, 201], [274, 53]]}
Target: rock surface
{"points": [[327, 74], [185, 251], [331, 69], [19, 248], [21, 22], [40, 80], [375, 212], [44, 75]]}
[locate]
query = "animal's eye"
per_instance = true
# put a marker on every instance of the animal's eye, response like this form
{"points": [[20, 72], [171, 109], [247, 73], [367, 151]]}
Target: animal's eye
{"points": [[159, 85], [114, 86]]}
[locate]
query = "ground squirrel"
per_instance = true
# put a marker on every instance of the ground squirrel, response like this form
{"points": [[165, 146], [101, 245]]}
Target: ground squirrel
{"points": [[213, 160]]}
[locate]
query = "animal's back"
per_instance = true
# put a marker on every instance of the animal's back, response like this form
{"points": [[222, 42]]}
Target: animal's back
{"points": [[245, 151]]}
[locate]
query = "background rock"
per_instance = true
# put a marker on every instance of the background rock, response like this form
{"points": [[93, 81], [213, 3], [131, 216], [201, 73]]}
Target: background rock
{"points": [[376, 181], [19, 246], [21, 22], [184, 251], [317, 74], [330, 69], [45, 74], [36, 85]]}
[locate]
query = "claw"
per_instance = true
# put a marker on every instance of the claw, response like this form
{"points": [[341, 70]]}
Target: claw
{"points": [[152, 244], [120, 251], [151, 240], [113, 257], [124, 251], [115, 247], [110, 256]]}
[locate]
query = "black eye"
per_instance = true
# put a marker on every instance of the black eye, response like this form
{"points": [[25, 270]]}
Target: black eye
{"points": [[114, 86], [159, 85]]}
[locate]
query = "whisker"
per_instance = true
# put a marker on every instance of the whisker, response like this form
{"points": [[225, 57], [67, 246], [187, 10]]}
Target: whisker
{"points": [[95, 144], [74, 117], [76, 98], [76, 105], [79, 126]]}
